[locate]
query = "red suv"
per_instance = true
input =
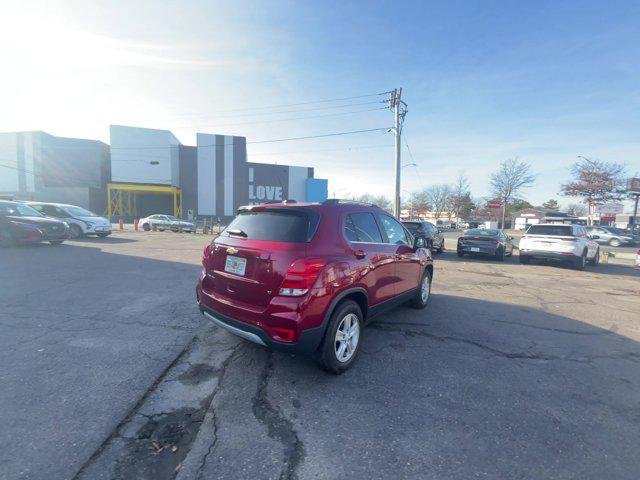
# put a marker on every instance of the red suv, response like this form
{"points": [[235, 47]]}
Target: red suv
{"points": [[306, 278]]}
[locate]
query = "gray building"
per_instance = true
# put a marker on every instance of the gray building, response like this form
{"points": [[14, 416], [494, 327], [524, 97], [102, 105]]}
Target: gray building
{"points": [[214, 177], [38, 166]]}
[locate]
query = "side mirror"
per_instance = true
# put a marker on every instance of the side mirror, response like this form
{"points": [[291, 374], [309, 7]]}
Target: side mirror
{"points": [[595, 237], [419, 242]]}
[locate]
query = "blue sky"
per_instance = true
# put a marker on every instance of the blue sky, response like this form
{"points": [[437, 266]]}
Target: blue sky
{"points": [[484, 81]]}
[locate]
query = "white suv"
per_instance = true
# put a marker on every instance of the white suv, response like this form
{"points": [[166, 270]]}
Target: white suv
{"points": [[568, 243]]}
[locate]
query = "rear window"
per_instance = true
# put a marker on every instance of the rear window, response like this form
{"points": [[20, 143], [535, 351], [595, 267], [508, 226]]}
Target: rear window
{"points": [[274, 226], [557, 230], [481, 232], [362, 227]]}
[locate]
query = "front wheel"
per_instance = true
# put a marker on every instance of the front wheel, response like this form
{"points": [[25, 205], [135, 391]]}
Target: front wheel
{"points": [[342, 338], [103, 235], [615, 242], [423, 294], [146, 227], [75, 231], [55, 242]]}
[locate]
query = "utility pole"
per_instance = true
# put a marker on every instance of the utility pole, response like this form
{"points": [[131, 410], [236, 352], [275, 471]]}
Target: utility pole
{"points": [[399, 111]]}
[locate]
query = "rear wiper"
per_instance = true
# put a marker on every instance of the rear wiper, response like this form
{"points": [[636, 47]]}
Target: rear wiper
{"points": [[237, 232]]}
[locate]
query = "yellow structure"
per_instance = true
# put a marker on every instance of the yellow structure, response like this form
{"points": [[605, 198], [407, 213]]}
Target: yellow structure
{"points": [[122, 198]]}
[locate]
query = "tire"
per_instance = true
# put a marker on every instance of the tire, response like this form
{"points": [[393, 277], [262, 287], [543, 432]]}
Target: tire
{"points": [[596, 259], [500, 254], [581, 261], [103, 235], [460, 254], [6, 239], [347, 311], [75, 231], [615, 242], [146, 227], [421, 300], [524, 259], [55, 242], [441, 248]]}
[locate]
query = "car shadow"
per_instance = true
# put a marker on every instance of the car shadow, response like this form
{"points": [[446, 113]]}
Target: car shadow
{"points": [[470, 385], [109, 239]]}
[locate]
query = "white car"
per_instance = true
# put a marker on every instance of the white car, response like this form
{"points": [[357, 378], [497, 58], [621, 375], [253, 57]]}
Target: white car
{"points": [[567, 243], [166, 222], [80, 220], [638, 259]]}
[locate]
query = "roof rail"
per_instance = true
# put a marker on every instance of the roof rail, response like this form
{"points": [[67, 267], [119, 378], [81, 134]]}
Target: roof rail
{"points": [[341, 201]]}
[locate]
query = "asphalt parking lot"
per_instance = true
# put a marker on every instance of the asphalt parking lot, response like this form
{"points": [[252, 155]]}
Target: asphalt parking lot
{"points": [[513, 371]]}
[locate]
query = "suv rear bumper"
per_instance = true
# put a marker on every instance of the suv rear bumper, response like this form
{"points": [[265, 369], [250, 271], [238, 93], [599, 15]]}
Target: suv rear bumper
{"points": [[308, 341], [566, 257]]}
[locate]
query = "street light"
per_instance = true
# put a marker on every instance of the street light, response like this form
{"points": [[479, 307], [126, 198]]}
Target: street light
{"points": [[409, 165]]}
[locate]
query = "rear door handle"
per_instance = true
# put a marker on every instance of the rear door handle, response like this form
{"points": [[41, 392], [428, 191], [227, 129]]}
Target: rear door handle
{"points": [[360, 254]]}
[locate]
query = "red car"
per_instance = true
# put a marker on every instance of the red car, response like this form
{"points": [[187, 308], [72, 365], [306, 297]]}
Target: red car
{"points": [[21, 224], [306, 278]]}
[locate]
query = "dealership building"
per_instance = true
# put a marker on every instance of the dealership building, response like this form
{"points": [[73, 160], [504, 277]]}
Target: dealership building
{"points": [[145, 171]]}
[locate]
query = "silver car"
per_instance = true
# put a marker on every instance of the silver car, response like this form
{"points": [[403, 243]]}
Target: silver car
{"points": [[166, 222], [611, 236], [81, 221]]}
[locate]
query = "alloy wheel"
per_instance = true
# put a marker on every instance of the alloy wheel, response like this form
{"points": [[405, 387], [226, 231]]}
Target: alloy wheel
{"points": [[347, 337], [425, 289]]}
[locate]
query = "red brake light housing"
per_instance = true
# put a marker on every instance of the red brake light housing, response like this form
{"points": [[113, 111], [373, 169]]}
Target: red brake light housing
{"points": [[206, 255], [301, 276]]}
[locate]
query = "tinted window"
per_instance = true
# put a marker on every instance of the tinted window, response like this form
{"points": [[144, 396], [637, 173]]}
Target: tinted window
{"points": [[366, 228], [18, 210], [559, 230], [273, 226], [350, 229], [413, 226], [395, 233]]}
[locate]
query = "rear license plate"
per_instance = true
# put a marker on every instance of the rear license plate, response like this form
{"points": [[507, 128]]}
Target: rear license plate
{"points": [[235, 265], [474, 249]]}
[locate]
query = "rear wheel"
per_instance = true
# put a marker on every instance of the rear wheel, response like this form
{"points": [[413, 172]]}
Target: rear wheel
{"points": [[524, 259], [581, 261], [596, 259], [460, 254], [500, 254], [441, 248], [102, 235], [55, 242], [423, 294], [342, 338]]}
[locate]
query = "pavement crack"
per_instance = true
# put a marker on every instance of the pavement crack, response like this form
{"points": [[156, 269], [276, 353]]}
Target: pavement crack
{"points": [[211, 407], [278, 426]]}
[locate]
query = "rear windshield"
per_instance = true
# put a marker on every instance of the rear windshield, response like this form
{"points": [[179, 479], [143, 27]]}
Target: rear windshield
{"points": [[482, 232], [274, 226], [558, 230]]}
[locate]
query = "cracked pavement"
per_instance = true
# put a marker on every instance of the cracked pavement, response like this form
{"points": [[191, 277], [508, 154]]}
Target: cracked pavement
{"points": [[513, 371]]}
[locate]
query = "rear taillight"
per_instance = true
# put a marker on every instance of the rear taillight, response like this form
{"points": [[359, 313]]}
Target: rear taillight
{"points": [[205, 256], [583, 235], [301, 276]]}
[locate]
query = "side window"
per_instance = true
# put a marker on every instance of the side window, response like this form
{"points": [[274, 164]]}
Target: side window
{"points": [[50, 211], [366, 228], [39, 208], [395, 233], [350, 229]]}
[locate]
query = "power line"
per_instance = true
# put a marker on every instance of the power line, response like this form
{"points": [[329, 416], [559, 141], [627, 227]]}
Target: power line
{"points": [[361, 147], [282, 119], [287, 105], [406, 143]]}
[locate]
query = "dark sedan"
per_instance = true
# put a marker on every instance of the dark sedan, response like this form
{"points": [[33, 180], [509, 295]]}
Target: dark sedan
{"points": [[435, 240], [19, 224], [485, 242]]}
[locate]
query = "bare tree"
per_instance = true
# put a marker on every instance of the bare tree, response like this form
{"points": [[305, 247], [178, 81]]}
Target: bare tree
{"points": [[577, 209], [439, 198], [596, 182], [460, 195], [507, 183], [420, 202], [379, 200]]}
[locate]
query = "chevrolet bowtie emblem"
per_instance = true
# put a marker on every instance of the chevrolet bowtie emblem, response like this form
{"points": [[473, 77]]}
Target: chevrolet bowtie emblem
{"points": [[232, 250]]}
